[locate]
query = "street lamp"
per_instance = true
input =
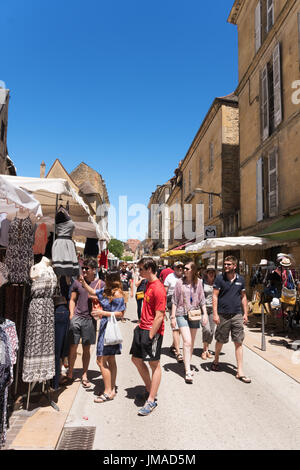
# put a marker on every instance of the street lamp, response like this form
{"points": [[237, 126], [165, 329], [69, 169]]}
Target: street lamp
{"points": [[200, 190]]}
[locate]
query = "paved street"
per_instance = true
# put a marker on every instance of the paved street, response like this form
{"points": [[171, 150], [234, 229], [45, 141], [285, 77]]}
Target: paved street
{"points": [[216, 412]]}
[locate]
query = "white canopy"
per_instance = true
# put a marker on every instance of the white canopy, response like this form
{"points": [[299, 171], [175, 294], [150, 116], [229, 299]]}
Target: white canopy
{"points": [[46, 190], [13, 197], [230, 243]]}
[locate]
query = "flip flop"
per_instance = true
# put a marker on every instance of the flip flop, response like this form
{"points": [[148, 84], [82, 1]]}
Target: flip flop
{"points": [[103, 398], [244, 379], [86, 383]]}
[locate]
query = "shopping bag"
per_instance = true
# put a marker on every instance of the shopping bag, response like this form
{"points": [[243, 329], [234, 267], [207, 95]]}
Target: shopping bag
{"points": [[112, 333]]}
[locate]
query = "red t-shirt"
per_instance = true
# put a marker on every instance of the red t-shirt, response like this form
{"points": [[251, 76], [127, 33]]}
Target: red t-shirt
{"points": [[155, 299], [165, 272]]}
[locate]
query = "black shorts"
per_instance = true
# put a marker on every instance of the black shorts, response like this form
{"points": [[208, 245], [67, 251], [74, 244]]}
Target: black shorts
{"points": [[145, 348]]}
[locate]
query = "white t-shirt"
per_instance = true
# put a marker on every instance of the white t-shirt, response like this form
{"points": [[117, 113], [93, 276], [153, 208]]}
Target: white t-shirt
{"points": [[170, 282]]}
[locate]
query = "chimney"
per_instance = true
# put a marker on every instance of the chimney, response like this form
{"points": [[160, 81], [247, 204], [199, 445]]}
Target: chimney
{"points": [[42, 169]]}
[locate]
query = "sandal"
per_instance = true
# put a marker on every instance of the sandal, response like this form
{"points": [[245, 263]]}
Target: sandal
{"points": [[188, 378], [102, 398], [172, 351], [204, 355], [215, 366], [86, 383], [179, 357], [244, 379], [209, 355]]}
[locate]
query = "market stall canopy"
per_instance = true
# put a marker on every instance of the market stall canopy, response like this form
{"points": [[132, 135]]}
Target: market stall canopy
{"points": [[13, 197], [230, 243], [287, 228], [172, 253], [46, 190]]}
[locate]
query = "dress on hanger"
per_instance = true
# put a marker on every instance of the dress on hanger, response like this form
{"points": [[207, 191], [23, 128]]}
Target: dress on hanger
{"points": [[19, 254], [39, 351], [64, 258]]}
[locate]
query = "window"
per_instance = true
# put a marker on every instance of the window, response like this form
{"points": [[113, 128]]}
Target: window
{"points": [[270, 14], [264, 21], [258, 26], [3, 131], [211, 156], [259, 190], [201, 170], [190, 181], [271, 95], [210, 206], [273, 183]]}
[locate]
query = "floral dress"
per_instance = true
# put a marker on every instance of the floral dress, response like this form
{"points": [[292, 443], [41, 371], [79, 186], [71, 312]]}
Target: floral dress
{"points": [[116, 305], [19, 254]]}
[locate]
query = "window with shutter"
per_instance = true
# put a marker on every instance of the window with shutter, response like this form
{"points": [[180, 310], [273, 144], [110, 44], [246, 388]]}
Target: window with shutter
{"points": [[273, 183], [259, 190], [258, 26], [265, 103], [201, 170], [277, 85], [211, 156], [190, 180], [270, 14], [210, 206]]}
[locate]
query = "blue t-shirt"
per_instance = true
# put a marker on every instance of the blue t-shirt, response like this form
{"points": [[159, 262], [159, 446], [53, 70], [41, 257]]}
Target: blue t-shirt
{"points": [[229, 299]]}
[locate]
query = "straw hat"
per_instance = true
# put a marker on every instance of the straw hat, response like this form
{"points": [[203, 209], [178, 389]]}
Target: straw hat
{"points": [[285, 262]]}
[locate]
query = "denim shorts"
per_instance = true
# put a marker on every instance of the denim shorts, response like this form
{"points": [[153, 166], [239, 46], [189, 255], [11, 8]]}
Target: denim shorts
{"points": [[183, 320]]}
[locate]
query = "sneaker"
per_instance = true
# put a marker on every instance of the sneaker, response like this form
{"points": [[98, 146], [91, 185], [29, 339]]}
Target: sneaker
{"points": [[147, 408]]}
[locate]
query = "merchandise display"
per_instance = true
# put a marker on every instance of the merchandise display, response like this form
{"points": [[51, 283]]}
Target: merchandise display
{"points": [[64, 258]]}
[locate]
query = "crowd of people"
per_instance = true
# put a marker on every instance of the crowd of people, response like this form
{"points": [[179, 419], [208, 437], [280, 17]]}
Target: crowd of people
{"points": [[215, 302]]}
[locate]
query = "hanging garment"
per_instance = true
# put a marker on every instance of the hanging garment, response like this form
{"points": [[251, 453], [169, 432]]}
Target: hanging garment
{"points": [[40, 240], [4, 274], [104, 259], [5, 379], [91, 247], [64, 258], [9, 329], [5, 224], [19, 254], [39, 351]]}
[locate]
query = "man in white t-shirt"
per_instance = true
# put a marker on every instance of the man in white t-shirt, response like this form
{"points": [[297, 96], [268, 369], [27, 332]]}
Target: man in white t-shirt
{"points": [[170, 283]]}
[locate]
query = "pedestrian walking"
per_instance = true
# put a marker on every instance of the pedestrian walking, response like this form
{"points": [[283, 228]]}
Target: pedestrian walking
{"points": [[165, 272], [140, 285], [208, 330], [148, 335], [187, 298], [111, 299], [230, 313], [82, 324], [170, 284], [127, 282]]}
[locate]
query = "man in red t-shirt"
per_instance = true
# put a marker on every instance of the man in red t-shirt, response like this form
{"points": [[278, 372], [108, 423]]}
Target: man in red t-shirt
{"points": [[148, 335], [164, 273]]}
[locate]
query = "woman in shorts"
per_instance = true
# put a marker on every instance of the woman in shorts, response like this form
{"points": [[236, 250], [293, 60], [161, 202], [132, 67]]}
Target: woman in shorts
{"points": [[188, 295]]}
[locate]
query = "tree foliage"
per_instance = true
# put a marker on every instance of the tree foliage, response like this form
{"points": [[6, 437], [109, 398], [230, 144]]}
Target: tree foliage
{"points": [[116, 247]]}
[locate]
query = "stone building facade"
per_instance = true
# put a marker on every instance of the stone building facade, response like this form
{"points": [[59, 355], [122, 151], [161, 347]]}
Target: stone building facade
{"points": [[269, 105], [6, 165]]}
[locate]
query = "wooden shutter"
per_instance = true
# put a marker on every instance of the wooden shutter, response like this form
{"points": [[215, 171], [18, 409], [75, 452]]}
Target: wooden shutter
{"points": [[258, 26], [273, 183], [299, 36], [201, 170], [211, 156], [259, 190], [265, 103], [277, 85], [270, 14]]}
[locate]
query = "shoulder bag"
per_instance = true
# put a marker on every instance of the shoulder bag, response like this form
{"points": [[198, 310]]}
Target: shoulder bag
{"points": [[288, 296], [112, 333], [193, 314]]}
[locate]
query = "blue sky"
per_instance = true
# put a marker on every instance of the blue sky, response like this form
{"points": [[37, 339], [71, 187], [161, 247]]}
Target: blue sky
{"points": [[122, 85]]}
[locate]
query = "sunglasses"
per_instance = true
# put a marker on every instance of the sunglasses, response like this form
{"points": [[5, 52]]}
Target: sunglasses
{"points": [[85, 268], [186, 269]]}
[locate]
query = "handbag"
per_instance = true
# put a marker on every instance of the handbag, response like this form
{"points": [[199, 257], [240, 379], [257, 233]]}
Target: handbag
{"points": [[112, 333], [193, 314], [288, 296], [140, 295]]}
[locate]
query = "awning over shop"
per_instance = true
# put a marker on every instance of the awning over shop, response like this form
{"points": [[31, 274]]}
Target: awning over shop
{"points": [[46, 190], [13, 198], [230, 243], [173, 253], [287, 228]]}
